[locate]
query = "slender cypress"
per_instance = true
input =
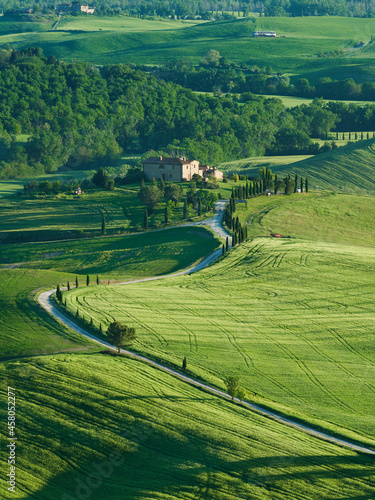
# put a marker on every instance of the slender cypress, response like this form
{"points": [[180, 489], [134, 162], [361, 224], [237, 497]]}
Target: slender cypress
{"points": [[76, 281], [87, 280], [166, 214], [227, 244], [223, 250], [68, 285], [306, 185], [295, 183], [301, 185], [97, 280], [145, 220], [103, 224]]}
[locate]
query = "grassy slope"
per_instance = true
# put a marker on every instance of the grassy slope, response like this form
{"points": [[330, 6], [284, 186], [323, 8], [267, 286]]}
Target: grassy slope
{"points": [[114, 40], [292, 318], [133, 256], [171, 440], [349, 168], [26, 330]]}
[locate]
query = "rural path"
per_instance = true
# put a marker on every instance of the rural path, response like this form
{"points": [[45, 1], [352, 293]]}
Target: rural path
{"points": [[215, 223]]}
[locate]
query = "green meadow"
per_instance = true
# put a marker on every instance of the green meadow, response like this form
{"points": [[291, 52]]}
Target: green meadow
{"points": [[133, 256], [348, 168], [292, 318], [93, 426], [102, 40]]}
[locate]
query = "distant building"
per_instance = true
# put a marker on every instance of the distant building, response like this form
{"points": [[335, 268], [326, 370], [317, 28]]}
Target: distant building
{"points": [[68, 8], [265, 33], [177, 169]]}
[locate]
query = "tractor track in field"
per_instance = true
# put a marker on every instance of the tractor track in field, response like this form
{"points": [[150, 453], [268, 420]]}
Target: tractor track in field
{"points": [[45, 301]]}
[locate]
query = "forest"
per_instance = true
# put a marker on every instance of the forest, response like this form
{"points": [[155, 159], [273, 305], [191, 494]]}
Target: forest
{"points": [[55, 114], [217, 9]]}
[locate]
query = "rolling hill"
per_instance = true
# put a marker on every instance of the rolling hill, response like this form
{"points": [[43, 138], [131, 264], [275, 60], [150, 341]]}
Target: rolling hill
{"points": [[349, 168]]}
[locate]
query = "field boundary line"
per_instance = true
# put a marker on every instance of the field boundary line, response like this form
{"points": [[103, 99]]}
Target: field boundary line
{"points": [[44, 300]]}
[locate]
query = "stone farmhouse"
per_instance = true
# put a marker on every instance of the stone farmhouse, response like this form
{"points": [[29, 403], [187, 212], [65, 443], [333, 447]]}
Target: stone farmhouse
{"points": [[177, 169], [74, 7]]}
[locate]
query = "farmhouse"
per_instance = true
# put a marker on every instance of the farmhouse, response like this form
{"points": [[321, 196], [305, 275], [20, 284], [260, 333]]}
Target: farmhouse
{"points": [[74, 7], [265, 33], [177, 169]]}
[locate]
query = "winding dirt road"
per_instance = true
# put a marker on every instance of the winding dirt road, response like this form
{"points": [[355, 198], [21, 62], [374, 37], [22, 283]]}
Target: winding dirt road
{"points": [[215, 223]]}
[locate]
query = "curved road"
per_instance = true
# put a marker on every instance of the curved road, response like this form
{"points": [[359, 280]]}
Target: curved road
{"points": [[215, 223]]}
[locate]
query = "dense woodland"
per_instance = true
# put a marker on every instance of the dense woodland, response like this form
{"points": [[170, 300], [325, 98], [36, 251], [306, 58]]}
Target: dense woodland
{"points": [[55, 114], [207, 9], [216, 74]]}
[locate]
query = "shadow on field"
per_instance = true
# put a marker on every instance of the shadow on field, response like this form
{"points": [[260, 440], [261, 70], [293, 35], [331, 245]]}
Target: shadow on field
{"points": [[146, 462]]}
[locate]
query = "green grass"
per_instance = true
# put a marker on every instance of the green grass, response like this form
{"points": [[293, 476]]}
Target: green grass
{"points": [[348, 168], [103, 40], [293, 318], [291, 102], [133, 256], [26, 330], [171, 440], [251, 166]]}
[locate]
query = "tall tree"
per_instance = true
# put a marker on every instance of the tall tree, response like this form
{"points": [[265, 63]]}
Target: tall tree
{"points": [[120, 335]]}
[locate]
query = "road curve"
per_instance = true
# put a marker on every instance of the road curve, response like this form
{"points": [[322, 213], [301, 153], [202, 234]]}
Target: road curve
{"points": [[45, 301]]}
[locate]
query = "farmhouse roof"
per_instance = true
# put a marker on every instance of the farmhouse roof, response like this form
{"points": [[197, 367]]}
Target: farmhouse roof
{"points": [[167, 161]]}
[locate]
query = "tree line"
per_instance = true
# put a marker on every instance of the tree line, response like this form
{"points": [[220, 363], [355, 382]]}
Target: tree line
{"points": [[208, 9], [217, 74], [78, 115]]}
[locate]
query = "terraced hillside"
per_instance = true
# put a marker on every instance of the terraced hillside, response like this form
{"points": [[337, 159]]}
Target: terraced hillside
{"points": [[92, 426]]}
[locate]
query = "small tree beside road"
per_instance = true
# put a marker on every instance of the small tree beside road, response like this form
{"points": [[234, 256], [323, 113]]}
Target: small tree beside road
{"points": [[234, 389], [120, 335]]}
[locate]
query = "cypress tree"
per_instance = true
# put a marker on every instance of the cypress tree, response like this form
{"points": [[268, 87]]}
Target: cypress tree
{"points": [[237, 223], [295, 183], [306, 185], [184, 213], [145, 220], [223, 249], [184, 363], [77, 313], [199, 207], [76, 281], [100, 328], [227, 244], [91, 322], [166, 214], [68, 285], [103, 225], [275, 184], [301, 185], [97, 280], [58, 293], [87, 280]]}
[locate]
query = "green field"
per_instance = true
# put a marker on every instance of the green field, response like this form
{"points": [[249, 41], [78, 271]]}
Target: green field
{"points": [[291, 102], [293, 318], [103, 40], [167, 440], [251, 166], [349, 168], [27, 330], [133, 256]]}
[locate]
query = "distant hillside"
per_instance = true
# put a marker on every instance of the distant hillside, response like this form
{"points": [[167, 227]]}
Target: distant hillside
{"points": [[350, 168]]}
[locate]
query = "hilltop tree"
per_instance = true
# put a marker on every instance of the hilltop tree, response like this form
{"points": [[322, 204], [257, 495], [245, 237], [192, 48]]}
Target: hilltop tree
{"points": [[120, 335]]}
